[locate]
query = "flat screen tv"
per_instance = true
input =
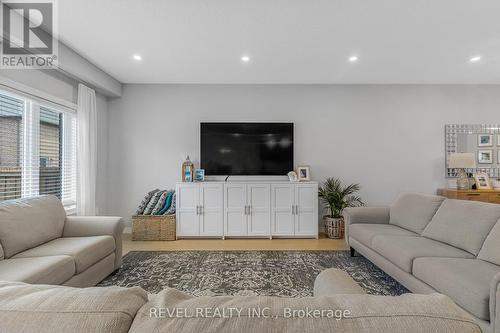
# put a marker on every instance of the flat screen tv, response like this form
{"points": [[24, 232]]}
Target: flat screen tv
{"points": [[246, 148]]}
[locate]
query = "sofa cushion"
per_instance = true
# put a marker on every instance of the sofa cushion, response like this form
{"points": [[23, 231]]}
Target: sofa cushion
{"points": [[364, 233], [152, 203], [402, 250], [413, 211], [367, 313], [26, 223], [463, 224], [42, 270], [85, 251], [491, 247], [168, 202], [54, 309], [145, 201], [466, 281], [171, 209]]}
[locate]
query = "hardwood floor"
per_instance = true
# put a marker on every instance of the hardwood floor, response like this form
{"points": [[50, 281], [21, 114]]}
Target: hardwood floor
{"points": [[323, 243]]}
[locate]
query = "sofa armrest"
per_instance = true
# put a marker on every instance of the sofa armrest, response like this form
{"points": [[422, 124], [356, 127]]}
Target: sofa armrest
{"points": [[86, 226], [495, 304], [334, 281], [378, 215], [374, 215]]}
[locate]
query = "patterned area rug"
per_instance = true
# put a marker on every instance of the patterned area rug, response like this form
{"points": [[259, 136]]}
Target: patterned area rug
{"points": [[271, 273]]}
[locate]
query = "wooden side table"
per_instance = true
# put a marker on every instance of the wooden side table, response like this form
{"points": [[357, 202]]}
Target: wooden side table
{"points": [[492, 196]]}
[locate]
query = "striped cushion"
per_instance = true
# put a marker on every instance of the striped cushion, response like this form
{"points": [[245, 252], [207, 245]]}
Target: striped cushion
{"points": [[145, 201], [167, 204], [171, 210], [152, 203], [161, 202]]}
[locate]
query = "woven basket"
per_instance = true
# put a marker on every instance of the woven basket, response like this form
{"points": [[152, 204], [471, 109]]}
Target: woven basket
{"points": [[334, 227], [153, 227]]}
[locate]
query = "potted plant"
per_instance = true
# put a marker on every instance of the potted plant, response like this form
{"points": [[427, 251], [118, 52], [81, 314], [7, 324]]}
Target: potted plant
{"points": [[337, 197]]}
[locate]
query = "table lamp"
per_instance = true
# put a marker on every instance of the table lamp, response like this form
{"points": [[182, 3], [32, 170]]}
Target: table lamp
{"points": [[462, 161]]}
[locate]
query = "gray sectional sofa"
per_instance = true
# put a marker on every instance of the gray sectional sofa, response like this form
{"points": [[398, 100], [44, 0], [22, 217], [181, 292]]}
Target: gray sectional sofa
{"points": [[432, 244], [39, 244], [54, 309]]}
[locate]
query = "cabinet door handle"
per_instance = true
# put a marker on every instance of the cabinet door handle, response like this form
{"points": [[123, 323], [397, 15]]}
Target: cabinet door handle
{"points": [[201, 210], [293, 209], [296, 209], [473, 194], [246, 210], [197, 210], [249, 210]]}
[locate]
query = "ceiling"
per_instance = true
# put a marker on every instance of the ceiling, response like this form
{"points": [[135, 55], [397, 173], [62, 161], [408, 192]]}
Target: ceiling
{"points": [[288, 41]]}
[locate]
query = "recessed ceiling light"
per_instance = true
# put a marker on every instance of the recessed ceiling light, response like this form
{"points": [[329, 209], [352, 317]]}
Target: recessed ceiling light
{"points": [[353, 59], [475, 59], [245, 58], [137, 57]]}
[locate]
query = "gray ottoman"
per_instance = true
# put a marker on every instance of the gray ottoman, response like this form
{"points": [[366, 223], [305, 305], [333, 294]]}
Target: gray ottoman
{"points": [[334, 281]]}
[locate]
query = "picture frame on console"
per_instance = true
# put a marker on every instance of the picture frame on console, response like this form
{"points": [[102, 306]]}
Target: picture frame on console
{"points": [[304, 173], [482, 181]]}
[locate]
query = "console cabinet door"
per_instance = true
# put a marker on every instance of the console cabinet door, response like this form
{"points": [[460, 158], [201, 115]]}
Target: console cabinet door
{"points": [[259, 214], [306, 214], [282, 218], [235, 202], [188, 200], [212, 206]]}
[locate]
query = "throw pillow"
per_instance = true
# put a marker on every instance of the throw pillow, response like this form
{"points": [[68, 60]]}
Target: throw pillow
{"points": [[171, 210], [161, 202], [167, 204], [152, 203], [145, 201]]}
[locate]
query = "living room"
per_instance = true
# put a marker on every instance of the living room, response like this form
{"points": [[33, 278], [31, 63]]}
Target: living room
{"points": [[257, 160]]}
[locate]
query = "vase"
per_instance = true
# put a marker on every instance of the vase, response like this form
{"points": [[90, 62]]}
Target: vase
{"points": [[334, 227]]}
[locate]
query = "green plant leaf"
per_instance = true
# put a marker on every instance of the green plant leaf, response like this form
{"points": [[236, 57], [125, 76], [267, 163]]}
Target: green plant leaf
{"points": [[338, 197]]}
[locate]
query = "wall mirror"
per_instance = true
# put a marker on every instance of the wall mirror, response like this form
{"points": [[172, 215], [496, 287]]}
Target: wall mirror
{"points": [[481, 140]]}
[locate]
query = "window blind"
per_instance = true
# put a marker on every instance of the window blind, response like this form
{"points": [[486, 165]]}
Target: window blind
{"points": [[50, 171], [37, 150], [11, 146]]}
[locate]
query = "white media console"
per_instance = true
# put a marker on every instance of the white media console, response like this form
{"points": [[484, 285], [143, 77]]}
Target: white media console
{"points": [[247, 209]]}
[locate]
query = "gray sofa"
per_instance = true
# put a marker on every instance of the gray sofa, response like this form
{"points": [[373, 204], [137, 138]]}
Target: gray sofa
{"points": [[39, 244], [432, 244], [54, 309]]}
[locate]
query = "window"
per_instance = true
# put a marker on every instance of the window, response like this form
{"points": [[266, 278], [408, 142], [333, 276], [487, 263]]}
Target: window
{"points": [[11, 133], [37, 150], [50, 176]]}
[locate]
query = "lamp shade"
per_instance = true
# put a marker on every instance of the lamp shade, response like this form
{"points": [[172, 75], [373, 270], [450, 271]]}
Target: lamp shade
{"points": [[462, 161]]}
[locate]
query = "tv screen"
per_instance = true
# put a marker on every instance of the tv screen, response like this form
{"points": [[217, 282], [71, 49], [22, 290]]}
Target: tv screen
{"points": [[246, 148]]}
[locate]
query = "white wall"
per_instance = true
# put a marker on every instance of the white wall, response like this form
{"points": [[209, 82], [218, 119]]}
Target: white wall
{"points": [[388, 138], [49, 81]]}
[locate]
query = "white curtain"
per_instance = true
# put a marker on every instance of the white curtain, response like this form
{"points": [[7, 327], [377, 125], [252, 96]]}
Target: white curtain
{"points": [[87, 151]]}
